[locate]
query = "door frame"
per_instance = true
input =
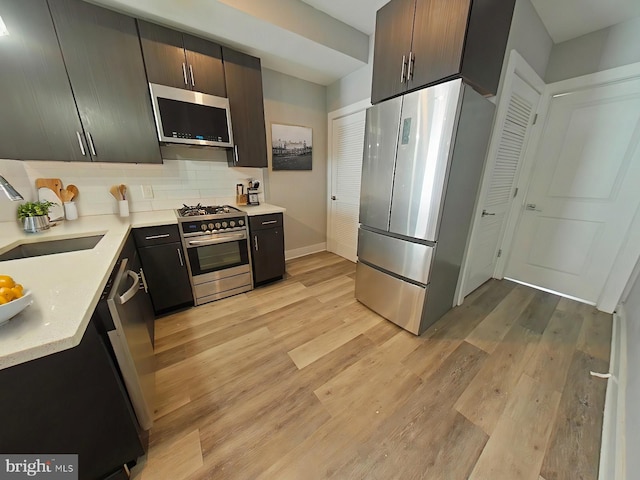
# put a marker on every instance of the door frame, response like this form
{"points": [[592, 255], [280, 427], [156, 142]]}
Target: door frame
{"points": [[629, 253], [331, 116], [516, 65]]}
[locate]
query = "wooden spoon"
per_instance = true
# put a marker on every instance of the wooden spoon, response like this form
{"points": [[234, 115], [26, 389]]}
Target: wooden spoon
{"points": [[66, 195], [114, 190], [73, 189]]}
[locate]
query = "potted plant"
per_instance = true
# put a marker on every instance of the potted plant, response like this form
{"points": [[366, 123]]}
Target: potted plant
{"points": [[34, 215]]}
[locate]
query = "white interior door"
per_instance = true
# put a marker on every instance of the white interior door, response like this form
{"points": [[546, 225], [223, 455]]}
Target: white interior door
{"points": [[584, 191], [505, 158], [347, 146]]}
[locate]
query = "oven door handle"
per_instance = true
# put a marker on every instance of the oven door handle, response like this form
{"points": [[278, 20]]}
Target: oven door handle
{"points": [[213, 241]]}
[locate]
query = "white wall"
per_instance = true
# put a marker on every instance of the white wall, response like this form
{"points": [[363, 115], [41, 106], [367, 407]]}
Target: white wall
{"points": [[291, 101], [607, 48], [352, 88], [632, 401]]}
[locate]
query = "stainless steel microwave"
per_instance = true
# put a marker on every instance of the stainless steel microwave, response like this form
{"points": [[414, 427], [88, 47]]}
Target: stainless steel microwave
{"points": [[192, 118]]}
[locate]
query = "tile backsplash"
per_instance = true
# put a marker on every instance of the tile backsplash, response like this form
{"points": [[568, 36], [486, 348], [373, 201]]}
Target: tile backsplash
{"points": [[204, 178]]}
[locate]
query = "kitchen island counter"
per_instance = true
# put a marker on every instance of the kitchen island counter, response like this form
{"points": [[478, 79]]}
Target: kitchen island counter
{"points": [[65, 287]]}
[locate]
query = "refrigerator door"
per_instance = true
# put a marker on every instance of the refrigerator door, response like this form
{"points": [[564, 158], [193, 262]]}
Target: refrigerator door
{"points": [[401, 257], [394, 299], [380, 145], [427, 125]]}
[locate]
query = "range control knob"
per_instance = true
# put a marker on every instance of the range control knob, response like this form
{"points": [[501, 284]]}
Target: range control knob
{"points": [[217, 224], [232, 223], [211, 226], [208, 232], [241, 222], [224, 224], [203, 226]]}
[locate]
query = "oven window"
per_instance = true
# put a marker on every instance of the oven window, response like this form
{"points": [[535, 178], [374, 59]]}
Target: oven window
{"points": [[211, 258]]}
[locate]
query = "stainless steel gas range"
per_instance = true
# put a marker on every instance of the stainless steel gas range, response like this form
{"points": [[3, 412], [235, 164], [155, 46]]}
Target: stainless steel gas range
{"points": [[216, 246]]}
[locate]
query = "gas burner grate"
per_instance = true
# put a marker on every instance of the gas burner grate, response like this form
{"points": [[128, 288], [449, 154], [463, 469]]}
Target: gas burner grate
{"points": [[197, 210]]}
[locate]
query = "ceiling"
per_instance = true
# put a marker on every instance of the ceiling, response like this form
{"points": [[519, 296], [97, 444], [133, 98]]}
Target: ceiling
{"points": [[324, 40]]}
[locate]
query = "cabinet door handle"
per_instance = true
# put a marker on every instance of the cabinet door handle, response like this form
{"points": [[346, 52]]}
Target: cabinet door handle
{"points": [[235, 154], [255, 242], [180, 257], [92, 147], [184, 73], [404, 65], [81, 144], [269, 222], [410, 66], [153, 237], [193, 83]]}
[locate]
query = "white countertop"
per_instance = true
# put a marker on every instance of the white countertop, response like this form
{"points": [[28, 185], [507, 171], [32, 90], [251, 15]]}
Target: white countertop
{"points": [[65, 287], [262, 209]]}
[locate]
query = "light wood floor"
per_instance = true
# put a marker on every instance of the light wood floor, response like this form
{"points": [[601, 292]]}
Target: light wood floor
{"points": [[298, 380]]}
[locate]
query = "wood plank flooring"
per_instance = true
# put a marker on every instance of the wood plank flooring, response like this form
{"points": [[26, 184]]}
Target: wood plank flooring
{"points": [[297, 380]]}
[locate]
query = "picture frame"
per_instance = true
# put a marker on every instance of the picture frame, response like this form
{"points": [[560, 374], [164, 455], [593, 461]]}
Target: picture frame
{"points": [[291, 147]]}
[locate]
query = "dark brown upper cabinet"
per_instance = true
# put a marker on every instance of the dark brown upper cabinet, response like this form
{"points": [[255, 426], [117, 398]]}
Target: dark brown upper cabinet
{"points": [[64, 101], [39, 119], [244, 89], [424, 42], [104, 62], [180, 60]]}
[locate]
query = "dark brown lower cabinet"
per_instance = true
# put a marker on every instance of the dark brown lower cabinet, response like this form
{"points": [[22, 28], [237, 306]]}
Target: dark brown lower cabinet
{"points": [[164, 266], [267, 247], [70, 402]]}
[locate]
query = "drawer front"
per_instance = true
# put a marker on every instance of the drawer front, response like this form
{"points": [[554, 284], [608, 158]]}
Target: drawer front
{"points": [[148, 236], [394, 299], [260, 222]]}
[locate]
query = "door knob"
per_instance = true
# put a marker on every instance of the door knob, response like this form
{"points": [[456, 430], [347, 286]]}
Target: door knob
{"points": [[333, 197], [532, 207], [486, 214]]}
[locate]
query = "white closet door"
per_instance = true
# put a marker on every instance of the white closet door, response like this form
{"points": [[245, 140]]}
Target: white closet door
{"points": [[347, 146], [583, 194], [497, 195]]}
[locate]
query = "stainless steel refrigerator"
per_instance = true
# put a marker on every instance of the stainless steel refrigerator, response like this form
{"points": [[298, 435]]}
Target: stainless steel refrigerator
{"points": [[424, 155]]}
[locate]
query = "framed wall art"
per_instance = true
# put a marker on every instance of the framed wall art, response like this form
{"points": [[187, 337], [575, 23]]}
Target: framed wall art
{"points": [[291, 147]]}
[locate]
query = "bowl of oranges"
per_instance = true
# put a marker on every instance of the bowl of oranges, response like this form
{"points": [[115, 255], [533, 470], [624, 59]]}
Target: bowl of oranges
{"points": [[13, 298]]}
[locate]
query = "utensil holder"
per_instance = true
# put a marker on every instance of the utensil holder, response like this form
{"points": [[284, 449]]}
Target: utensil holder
{"points": [[70, 211], [123, 208], [241, 199]]}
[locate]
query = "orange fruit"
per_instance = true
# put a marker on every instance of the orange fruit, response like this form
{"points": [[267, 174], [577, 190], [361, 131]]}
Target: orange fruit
{"points": [[6, 281], [17, 292], [7, 293], [3, 300]]}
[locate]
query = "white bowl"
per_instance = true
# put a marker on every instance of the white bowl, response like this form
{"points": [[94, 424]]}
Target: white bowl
{"points": [[14, 307]]}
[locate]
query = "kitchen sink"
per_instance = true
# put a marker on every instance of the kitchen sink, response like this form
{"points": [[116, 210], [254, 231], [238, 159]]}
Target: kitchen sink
{"points": [[50, 247]]}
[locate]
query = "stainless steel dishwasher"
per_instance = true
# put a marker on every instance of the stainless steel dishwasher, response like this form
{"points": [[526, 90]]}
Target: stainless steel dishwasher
{"points": [[130, 310]]}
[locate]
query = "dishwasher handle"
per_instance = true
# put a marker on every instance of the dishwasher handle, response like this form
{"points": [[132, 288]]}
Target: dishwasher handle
{"points": [[129, 294]]}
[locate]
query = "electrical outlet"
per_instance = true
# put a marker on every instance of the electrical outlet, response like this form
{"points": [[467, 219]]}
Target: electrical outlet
{"points": [[147, 191]]}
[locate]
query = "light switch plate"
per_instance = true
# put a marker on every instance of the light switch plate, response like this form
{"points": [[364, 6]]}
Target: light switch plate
{"points": [[147, 191]]}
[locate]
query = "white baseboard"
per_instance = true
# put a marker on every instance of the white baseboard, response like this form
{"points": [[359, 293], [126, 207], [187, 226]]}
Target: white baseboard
{"points": [[613, 448], [308, 250]]}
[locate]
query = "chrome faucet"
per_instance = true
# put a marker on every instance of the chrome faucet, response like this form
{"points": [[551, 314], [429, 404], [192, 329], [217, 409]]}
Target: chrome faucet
{"points": [[11, 193]]}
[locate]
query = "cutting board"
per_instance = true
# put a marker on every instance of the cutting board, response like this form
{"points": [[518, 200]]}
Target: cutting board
{"points": [[54, 184], [57, 211]]}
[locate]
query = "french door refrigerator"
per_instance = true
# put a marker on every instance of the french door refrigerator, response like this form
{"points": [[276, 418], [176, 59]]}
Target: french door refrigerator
{"points": [[424, 155]]}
